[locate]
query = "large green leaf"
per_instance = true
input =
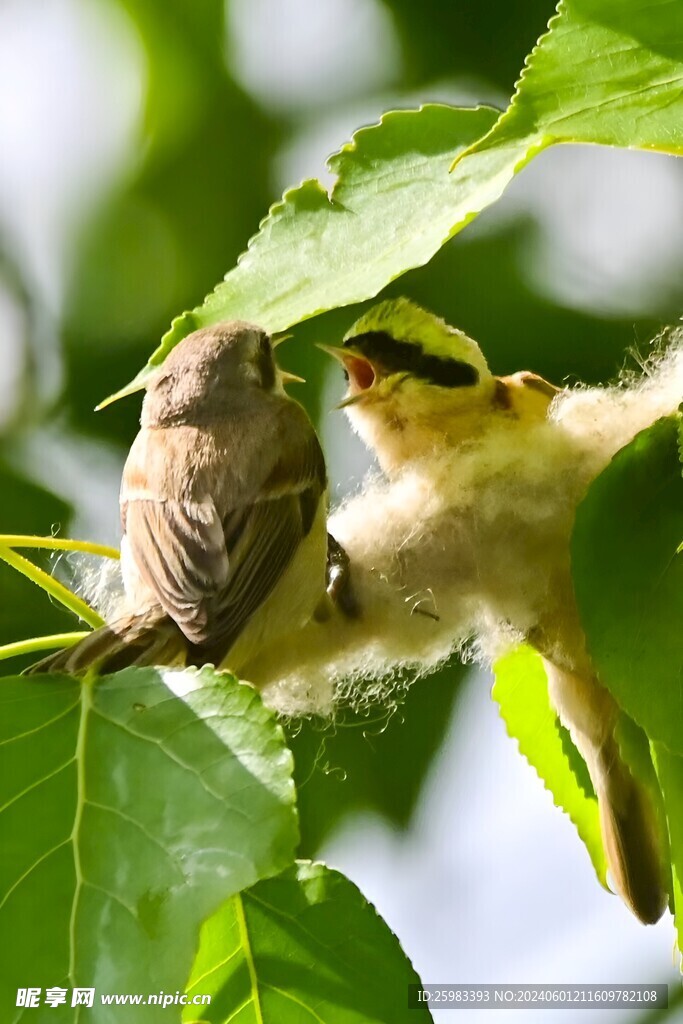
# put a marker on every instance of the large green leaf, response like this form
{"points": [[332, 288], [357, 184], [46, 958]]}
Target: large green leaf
{"points": [[521, 691], [130, 807], [628, 579], [608, 71], [303, 948], [393, 206]]}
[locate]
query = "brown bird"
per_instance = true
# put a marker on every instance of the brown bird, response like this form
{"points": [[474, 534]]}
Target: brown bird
{"points": [[223, 508]]}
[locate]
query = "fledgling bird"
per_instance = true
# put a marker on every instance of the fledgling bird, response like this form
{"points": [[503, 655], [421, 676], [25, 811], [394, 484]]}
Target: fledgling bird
{"points": [[223, 509], [421, 392], [417, 386], [466, 540]]}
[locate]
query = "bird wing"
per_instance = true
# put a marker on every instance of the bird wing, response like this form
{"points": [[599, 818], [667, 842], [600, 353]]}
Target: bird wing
{"points": [[212, 561], [179, 550]]}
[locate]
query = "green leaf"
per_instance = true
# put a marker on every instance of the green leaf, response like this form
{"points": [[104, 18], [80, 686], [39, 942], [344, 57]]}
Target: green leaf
{"points": [[303, 948], [393, 205], [521, 691], [607, 71], [669, 769], [130, 807], [628, 579]]}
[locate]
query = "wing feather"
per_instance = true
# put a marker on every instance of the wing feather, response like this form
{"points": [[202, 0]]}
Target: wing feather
{"points": [[212, 561]]}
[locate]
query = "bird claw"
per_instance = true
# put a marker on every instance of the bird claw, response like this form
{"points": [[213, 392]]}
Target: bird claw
{"points": [[339, 587]]}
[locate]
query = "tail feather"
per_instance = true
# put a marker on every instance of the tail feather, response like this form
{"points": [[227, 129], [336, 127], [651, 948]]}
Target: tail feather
{"points": [[630, 828], [133, 640], [630, 836]]}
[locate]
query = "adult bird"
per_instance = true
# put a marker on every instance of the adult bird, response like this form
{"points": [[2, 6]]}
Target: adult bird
{"points": [[223, 510]]}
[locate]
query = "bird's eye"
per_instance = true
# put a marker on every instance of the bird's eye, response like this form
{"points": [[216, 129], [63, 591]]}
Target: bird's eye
{"points": [[346, 374]]}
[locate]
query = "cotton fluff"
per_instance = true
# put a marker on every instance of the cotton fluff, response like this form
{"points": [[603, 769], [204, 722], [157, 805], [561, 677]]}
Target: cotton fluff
{"points": [[467, 549]]}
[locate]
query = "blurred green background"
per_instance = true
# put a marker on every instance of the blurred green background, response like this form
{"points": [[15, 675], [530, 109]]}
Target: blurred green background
{"points": [[143, 142]]}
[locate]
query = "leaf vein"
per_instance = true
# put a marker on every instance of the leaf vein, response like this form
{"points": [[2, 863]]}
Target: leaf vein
{"points": [[138, 824], [293, 999], [43, 725], [31, 869], [36, 784]]}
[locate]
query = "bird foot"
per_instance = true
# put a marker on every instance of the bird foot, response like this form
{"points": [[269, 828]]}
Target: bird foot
{"points": [[340, 592]]}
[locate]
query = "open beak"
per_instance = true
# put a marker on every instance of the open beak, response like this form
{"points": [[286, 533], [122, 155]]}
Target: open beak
{"points": [[291, 378], [362, 374], [331, 350], [351, 400], [277, 339], [285, 376]]}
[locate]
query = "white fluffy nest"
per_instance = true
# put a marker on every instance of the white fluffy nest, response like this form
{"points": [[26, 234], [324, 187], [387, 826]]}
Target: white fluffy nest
{"points": [[468, 549]]}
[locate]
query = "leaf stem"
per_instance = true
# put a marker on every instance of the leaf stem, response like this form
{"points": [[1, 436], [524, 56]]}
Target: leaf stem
{"points": [[40, 643], [52, 586], [18, 540], [248, 956]]}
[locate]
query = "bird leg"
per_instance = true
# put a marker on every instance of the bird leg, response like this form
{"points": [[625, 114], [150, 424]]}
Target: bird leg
{"points": [[339, 587]]}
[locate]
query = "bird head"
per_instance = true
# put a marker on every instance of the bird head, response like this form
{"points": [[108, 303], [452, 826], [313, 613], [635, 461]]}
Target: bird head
{"points": [[412, 379], [213, 369]]}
